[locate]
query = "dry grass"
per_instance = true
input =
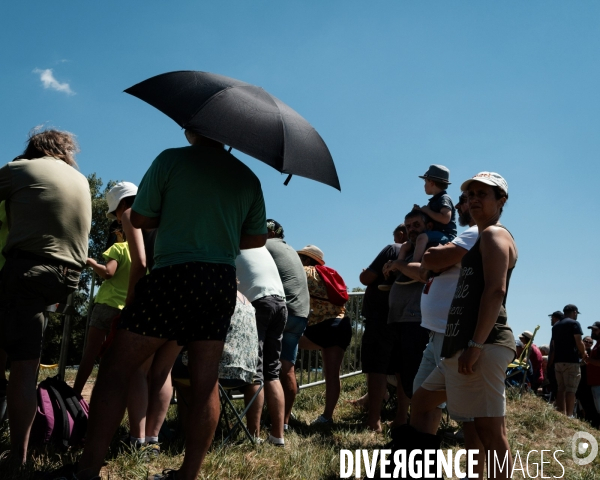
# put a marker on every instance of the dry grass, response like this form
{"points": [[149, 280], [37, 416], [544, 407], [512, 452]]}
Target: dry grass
{"points": [[313, 453]]}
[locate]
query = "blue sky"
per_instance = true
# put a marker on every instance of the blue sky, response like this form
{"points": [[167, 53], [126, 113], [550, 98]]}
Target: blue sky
{"points": [[391, 86]]}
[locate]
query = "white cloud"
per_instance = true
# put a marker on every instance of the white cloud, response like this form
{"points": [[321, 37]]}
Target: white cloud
{"points": [[48, 80]]}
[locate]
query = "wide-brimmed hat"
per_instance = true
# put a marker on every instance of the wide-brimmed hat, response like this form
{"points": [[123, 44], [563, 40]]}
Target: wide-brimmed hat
{"points": [[438, 173], [527, 334], [114, 196], [489, 178], [313, 252], [571, 308]]}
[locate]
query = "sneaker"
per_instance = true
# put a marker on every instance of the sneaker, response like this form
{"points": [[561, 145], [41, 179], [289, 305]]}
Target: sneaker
{"points": [[151, 450], [321, 420], [165, 475], [286, 427], [278, 442]]}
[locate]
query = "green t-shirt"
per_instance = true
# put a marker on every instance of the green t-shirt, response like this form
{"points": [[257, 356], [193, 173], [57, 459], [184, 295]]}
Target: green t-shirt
{"points": [[113, 291], [205, 198], [3, 232]]}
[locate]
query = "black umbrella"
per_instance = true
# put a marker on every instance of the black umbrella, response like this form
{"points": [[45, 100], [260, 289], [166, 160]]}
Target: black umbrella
{"points": [[244, 117]]}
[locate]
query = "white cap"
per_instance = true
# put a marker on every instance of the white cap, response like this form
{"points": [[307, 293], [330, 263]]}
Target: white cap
{"points": [[114, 196], [489, 178]]}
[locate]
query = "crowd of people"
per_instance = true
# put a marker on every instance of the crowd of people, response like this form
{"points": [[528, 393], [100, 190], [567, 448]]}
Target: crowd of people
{"points": [[218, 289]]}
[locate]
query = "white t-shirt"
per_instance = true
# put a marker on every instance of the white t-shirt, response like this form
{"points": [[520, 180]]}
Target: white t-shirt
{"points": [[439, 291], [257, 273]]}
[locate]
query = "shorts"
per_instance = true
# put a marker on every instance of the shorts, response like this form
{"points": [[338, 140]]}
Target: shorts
{"points": [[568, 376], [26, 288], [480, 394], [186, 302], [410, 339], [377, 346], [271, 315], [435, 236], [103, 315], [294, 329], [334, 332]]}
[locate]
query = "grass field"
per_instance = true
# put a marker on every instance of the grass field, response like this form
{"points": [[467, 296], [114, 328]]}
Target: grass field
{"points": [[313, 453]]}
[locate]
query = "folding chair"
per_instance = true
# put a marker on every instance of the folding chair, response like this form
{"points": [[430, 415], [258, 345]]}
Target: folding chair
{"points": [[229, 414], [231, 417], [518, 370]]}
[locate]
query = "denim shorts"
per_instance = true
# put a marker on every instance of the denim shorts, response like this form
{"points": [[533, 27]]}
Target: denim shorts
{"points": [[294, 328]]}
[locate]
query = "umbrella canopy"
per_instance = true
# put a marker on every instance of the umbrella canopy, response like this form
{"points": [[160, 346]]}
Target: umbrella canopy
{"points": [[244, 117]]}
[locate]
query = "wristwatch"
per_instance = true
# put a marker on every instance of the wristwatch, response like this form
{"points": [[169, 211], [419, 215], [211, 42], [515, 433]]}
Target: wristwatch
{"points": [[475, 344]]}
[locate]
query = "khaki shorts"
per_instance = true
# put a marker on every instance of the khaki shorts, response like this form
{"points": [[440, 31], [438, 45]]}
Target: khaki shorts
{"points": [[568, 376], [480, 394], [103, 315]]}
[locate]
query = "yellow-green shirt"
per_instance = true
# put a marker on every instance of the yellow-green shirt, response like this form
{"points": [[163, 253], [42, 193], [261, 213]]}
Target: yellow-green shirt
{"points": [[114, 290]]}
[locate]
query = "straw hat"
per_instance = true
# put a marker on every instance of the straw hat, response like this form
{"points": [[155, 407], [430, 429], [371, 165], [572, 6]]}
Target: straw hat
{"points": [[313, 252]]}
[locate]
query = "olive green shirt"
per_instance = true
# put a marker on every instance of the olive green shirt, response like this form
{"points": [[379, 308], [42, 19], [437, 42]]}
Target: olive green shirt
{"points": [[49, 209]]}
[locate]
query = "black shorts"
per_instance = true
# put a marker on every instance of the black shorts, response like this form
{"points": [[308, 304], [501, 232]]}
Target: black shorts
{"points": [[185, 302], [334, 332], [271, 315], [377, 347], [26, 288], [410, 340]]}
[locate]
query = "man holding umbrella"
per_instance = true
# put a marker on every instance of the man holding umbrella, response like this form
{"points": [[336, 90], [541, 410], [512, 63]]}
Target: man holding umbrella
{"points": [[207, 205]]}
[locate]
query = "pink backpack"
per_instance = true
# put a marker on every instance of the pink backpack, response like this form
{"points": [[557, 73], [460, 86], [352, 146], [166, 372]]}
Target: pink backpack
{"points": [[61, 416]]}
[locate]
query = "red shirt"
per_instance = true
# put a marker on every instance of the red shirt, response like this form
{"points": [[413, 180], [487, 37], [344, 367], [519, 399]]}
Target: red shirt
{"points": [[593, 372]]}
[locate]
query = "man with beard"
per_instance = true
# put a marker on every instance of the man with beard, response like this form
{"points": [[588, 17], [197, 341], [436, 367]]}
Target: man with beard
{"points": [[404, 316]]}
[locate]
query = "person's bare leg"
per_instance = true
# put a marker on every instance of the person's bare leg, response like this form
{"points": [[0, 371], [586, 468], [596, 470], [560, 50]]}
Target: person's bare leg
{"points": [[492, 433], [561, 401], [403, 404], [332, 362], [377, 388], [473, 442], [137, 400], [204, 407], [569, 403], [420, 246], [287, 376], [93, 345], [109, 398], [275, 406], [22, 404], [424, 411], [3, 360], [161, 389], [254, 412]]}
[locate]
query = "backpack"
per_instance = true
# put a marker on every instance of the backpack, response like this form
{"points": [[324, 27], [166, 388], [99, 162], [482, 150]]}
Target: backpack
{"points": [[337, 292], [61, 416]]}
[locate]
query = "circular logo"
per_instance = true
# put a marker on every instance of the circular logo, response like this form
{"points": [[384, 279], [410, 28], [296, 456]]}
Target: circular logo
{"points": [[584, 444]]}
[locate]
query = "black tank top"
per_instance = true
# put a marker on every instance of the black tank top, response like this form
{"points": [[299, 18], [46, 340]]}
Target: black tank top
{"points": [[464, 311]]}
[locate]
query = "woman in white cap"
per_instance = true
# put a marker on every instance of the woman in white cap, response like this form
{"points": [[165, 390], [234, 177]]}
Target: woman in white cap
{"points": [[329, 329], [479, 344]]}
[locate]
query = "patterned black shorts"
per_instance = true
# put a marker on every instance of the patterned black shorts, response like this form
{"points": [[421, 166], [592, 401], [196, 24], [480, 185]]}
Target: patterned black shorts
{"points": [[186, 302]]}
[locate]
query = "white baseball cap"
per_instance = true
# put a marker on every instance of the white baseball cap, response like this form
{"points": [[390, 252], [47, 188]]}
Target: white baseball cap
{"points": [[489, 178], [114, 196]]}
